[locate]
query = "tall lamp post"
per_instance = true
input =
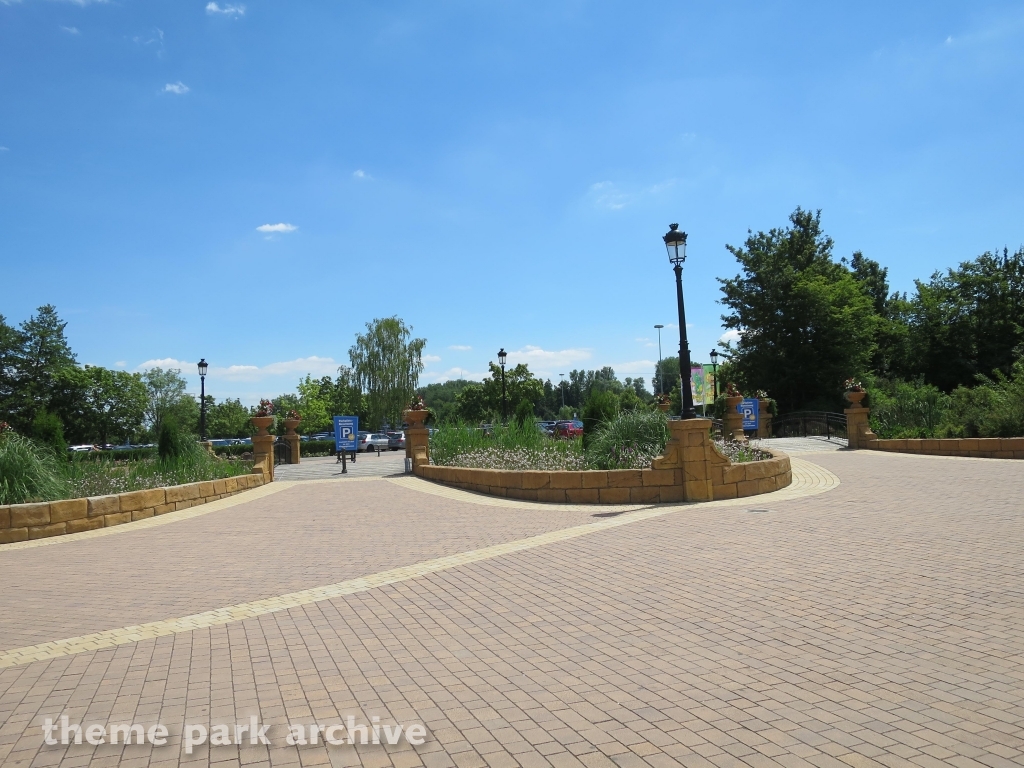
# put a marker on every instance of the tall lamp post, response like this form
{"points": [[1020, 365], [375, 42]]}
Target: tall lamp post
{"points": [[202, 399], [661, 388], [561, 386], [675, 244], [504, 406], [714, 369]]}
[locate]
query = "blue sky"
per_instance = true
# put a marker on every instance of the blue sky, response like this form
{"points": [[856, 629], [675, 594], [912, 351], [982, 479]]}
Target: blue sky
{"points": [[497, 174]]}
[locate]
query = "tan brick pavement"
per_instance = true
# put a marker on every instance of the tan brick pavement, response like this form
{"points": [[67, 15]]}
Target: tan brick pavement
{"points": [[881, 623]]}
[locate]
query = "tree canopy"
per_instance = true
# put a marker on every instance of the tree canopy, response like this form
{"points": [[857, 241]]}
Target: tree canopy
{"points": [[387, 363]]}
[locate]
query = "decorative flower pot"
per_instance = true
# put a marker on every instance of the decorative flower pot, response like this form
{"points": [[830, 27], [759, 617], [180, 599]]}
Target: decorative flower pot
{"points": [[290, 425], [261, 423], [415, 419], [855, 397], [663, 407]]}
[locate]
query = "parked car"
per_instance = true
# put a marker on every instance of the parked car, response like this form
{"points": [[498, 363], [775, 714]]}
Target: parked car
{"points": [[372, 441], [568, 429], [547, 427], [396, 441]]}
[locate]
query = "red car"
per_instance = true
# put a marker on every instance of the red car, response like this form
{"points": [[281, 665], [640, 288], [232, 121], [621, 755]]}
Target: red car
{"points": [[569, 429]]}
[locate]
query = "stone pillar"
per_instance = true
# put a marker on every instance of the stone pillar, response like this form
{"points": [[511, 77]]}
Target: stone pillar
{"points": [[689, 449], [858, 431], [733, 419], [764, 419], [292, 438], [263, 446], [417, 437]]}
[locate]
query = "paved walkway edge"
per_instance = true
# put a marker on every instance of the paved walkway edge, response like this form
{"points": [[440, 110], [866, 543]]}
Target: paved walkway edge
{"points": [[808, 479]]}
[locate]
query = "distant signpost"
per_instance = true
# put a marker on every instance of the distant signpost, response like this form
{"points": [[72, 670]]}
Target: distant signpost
{"points": [[748, 409]]}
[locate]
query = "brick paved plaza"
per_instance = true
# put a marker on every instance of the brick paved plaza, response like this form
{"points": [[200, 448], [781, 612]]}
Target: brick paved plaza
{"points": [[872, 614]]}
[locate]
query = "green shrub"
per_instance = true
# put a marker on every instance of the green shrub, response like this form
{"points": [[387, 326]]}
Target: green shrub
{"points": [[630, 441], [29, 471], [994, 408], [524, 413], [48, 429], [903, 409], [601, 407], [172, 442], [516, 446]]}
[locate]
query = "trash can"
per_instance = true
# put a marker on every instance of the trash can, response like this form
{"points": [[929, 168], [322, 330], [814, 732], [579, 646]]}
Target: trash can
{"points": [[408, 465]]}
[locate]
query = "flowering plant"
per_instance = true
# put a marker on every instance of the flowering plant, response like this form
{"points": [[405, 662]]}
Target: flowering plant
{"points": [[293, 414], [852, 385], [417, 404], [265, 408], [731, 391], [761, 394]]}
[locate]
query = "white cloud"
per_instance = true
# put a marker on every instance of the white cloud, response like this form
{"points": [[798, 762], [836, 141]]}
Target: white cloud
{"points": [[633, 368], [179, 88], [71, 30], [605, 194], [732, 335], [454, 373], [428, 359], [276, 227], [120, 364], [361, 174], [460, 347], [317, 366], [546, 363], [226, 10], [5, 149]]}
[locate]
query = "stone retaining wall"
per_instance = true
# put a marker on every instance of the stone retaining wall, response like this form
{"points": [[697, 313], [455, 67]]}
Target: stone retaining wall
{"points": [[23, 522], [979, 447], [616, 486], [859, 432]]}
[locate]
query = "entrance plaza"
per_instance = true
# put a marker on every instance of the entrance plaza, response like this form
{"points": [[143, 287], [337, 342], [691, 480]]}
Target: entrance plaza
{"points": [[871, 614]]}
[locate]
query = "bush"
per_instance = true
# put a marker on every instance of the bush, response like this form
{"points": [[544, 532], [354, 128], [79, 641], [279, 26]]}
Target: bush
{"points": [[517, 446], [524, 413], [903, 409], [29, 471], [601, 407], [994, 408], [172, 442], [632, 440], [48, 429]]}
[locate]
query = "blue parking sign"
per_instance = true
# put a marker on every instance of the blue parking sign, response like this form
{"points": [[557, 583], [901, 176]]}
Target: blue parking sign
{"points": [[346, 433], [748, 407]]}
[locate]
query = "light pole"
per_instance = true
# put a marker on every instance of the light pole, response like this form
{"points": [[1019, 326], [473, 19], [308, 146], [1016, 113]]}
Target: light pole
{"points": [[714, 369], [661, 389], [504, 406], [675, 244], [202, 399], [561, 386]]}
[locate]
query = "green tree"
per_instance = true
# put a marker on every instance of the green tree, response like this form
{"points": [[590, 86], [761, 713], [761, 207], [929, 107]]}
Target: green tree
{"points": [[387, 363], [601, 407], [520, 385], [117, 404], [666, 374], [11, 344], [48, 429], [315, 401], [441, 398], [807, 322], [227, 419], [471, 404], [165, 394], [44, 354]]}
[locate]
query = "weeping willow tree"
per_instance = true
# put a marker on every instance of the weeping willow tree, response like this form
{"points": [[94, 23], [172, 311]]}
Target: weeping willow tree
{"points": [[387, 363]]}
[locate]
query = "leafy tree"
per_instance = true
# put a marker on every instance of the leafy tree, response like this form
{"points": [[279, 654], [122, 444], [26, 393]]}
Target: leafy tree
{"points": [[116, 403], [165, 394], [43, 355], [11, 343], [227, 419], [442, 397], [520, 385], [387, 363], [969, 321], [807, 322], [524, 413], [471, 404], [666, 374], [315, 401]]}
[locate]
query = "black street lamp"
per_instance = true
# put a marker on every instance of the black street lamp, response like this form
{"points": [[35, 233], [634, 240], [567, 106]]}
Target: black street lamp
{"points": [[561, 386], [675, 244], [202, 399], [714, 369], [504, 405], [661, 388]]}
